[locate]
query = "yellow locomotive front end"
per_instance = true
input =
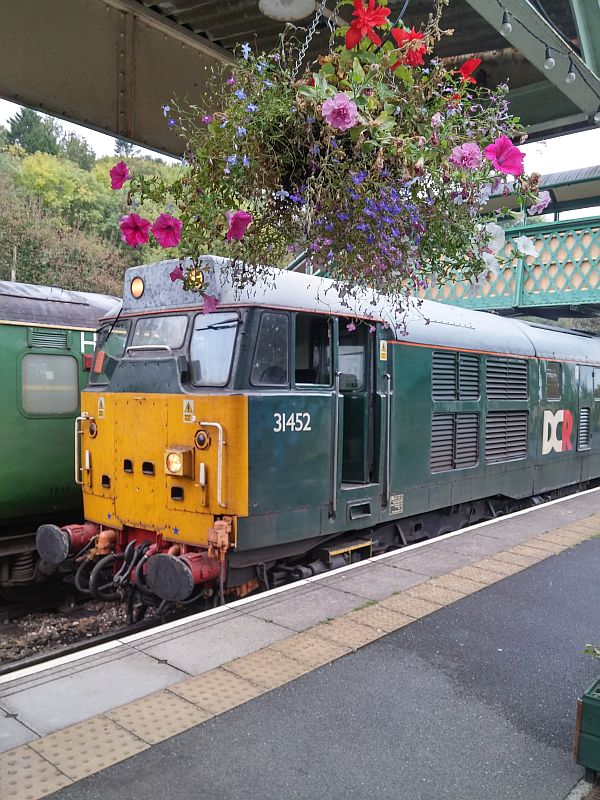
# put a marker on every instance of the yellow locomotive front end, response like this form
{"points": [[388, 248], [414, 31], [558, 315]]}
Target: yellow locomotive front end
{"points": [[161, 450]]}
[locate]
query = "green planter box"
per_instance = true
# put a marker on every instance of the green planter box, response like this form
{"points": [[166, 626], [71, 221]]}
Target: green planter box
{"points": [[587, 732]]}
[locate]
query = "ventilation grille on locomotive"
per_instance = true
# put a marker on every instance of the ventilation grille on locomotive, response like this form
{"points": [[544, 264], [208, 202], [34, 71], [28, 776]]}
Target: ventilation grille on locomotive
{"points": [[454, 441], [583, 440], [506, 379], [47, 337], [455, 376], [505, 435]]}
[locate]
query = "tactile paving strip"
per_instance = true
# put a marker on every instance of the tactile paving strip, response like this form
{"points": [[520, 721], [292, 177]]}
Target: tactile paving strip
{"points": [[159, 716], [413, 607], [429, 591], [515, 558], [344, 631], [26, 775], [88, 747], [314, 651], [217, 690], [548, 547], [267, 668], [457, 583], [479, 575], [380, 618], [499, 568]]}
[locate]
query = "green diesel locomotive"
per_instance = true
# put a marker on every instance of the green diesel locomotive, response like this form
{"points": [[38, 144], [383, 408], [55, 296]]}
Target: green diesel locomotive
{"points": [[45, 336], [285, 433]]}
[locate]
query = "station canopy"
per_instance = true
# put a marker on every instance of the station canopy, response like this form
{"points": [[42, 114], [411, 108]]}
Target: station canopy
{"points": [[112, 64]]}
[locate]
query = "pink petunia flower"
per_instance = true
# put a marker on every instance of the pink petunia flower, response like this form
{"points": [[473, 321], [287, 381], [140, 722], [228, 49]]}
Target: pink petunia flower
{"points": [[436, 120], [119, 175], [542, 202], [238, 222], [210, 304], [177, 274], [167, 230], [505, 156], [467, 155], [340, 112], [350, 327], [135, 230]]}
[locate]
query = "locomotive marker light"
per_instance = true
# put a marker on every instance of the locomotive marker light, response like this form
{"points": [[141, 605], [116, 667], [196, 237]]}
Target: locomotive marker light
{"points": [[179, 461], [137, 288]]}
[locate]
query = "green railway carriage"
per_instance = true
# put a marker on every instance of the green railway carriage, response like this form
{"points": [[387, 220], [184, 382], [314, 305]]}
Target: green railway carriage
{"points": [[44, 334], [286, 433]]}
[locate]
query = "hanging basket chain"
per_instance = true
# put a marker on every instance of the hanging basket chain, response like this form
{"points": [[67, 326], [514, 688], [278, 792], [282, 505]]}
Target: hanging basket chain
{"points": [[309, 36]]}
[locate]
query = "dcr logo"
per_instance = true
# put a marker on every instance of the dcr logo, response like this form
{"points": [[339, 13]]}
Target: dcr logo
{"points": [[551, 440]]}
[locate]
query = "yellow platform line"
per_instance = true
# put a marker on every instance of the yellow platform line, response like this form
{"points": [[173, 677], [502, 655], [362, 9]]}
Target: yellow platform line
{"points": [[59, 759]]}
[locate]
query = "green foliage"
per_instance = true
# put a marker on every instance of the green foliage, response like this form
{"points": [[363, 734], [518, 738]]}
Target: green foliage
{"points": [[125, 149], [590, 650], [49, 252], [33, 132], [76, 149]]}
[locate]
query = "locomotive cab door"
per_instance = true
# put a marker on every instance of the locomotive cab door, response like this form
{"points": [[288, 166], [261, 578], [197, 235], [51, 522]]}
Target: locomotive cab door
{"points": [[356, 380]]}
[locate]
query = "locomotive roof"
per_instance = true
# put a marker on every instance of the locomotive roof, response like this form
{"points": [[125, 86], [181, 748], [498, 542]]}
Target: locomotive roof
{"points": [[49, 305], [429, 323]]}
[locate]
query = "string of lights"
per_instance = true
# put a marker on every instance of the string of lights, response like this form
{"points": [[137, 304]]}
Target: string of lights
{"points": [[573, 70]]}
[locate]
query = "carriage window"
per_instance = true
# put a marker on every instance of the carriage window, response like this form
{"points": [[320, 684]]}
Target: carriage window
{"points": [[211, 348], [313, 349], [553, 380], [270, 365], [160, 331], [110, 346], [50, 384]]}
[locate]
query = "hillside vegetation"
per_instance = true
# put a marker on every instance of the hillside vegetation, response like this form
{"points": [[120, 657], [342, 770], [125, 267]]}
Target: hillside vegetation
{"points": [[58, 215]]}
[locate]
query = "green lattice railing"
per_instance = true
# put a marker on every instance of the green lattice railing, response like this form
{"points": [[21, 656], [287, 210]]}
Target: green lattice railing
{"points": [[565, 273]]}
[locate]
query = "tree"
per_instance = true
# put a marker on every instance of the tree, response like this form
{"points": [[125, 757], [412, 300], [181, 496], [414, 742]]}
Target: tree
{"points": [[77, 150], [125, 149], [33, 132]]}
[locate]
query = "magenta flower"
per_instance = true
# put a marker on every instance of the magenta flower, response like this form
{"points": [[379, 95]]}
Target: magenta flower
{"points": [[466, 155], [542, 202], [119, 174], [177, 274], [340, 112], [135, 230], [210, 304], [238, 222], [505, 156], [167, 230], [350, 327]]}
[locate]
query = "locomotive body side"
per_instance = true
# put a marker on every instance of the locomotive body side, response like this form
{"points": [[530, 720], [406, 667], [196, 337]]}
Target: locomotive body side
{"points": [[283, 434]]}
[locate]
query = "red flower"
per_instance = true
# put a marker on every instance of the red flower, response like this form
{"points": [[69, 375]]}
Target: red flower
{"points": [[167, 230], [135, 230], [468, 68], [416, 47], [119, 174], [367, 18]]}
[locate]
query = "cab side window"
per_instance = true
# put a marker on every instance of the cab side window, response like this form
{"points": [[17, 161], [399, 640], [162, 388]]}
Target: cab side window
{"points": [[270, 363], [312, 349]]}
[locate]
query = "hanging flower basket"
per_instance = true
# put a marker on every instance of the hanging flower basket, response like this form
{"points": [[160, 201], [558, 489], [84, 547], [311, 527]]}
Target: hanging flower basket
{"points": [[377, 160]]}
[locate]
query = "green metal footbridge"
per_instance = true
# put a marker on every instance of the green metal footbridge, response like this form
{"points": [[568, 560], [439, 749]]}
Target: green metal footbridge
{"points": [[564, 279]]}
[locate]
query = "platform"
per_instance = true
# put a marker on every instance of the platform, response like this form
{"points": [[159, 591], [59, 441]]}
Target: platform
{"points": [[447, 669]]}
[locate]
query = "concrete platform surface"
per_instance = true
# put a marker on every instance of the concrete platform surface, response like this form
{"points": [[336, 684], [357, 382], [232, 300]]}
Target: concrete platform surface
{"points": [[475, 701], [450, 663]]}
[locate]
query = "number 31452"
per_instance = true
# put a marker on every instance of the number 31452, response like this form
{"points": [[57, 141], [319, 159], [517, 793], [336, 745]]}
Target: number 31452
{"points": [[300, 421]]}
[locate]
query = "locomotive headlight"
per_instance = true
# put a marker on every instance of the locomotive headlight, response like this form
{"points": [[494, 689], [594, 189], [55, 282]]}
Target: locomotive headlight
{"points": [[137, 287], [179, 461]]}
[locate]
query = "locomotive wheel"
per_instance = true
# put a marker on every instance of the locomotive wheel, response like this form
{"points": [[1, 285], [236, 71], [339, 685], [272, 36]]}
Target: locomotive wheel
{"points": [[101, 579]]}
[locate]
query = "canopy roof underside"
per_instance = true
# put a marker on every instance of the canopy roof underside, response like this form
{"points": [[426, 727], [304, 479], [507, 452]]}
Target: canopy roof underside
{"points": [[112, 64]]}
